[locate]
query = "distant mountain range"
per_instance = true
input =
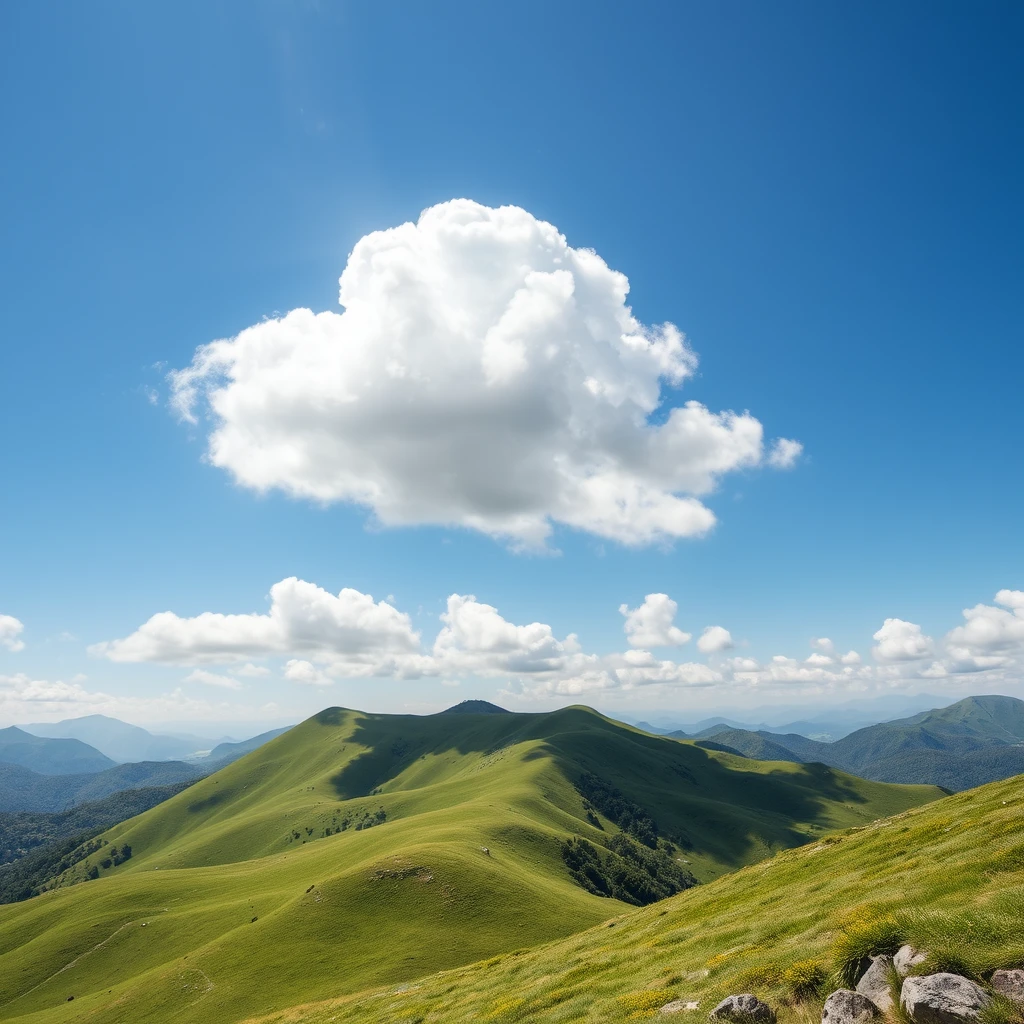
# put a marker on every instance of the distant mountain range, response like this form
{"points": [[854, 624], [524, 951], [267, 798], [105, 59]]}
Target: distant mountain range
{"points": [[824, 724], [25, 790], [52, 774], [976, 740], [122, 742], [50, 756]]}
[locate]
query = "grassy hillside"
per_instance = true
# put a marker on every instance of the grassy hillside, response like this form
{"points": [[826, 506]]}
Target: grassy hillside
{"points": [[350, 851], [971, 742], [49, 756], [948, 877]]}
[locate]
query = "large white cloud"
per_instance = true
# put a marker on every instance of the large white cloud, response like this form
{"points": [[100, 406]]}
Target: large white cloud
{"points": [[352, 629], [653, 623], [10, 633], [484, 374]]}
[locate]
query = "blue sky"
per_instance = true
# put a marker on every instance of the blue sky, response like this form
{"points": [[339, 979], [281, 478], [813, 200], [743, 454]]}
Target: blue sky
{"points": [[825, 199]]}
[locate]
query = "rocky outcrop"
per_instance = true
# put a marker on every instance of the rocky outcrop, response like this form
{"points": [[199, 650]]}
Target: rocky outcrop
{"points": [[846, 1007], [942, 999], [744, 1009], [875, 983], [906, 959], [1010, 984]]}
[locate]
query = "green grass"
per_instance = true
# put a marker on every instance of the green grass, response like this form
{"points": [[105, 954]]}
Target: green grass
{"points": [[236, 902], [948, 877]]}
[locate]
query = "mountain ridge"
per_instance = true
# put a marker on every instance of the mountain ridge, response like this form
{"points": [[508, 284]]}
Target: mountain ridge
{"points": [[350, 826]]}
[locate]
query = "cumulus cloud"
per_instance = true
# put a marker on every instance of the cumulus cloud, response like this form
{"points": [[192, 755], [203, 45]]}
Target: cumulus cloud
{"points": [[784, 453], [714, 639], [483, 374], [990, 637], [326, 638], [356, 632], [899, 640], [477, 639], [653, 623], [10, 631]]}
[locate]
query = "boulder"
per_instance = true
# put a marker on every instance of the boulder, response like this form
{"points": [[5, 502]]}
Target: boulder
{"points": [[1010, 984], [744, 1008], [846, 1007], [906, 958], [875, 983], [942, 999]]}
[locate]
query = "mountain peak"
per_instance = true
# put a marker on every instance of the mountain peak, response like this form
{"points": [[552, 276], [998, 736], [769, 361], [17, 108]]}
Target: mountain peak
{"points": [[475, 707]]}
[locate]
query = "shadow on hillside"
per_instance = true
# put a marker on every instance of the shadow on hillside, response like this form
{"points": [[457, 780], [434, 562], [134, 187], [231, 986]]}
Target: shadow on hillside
{"points": [[695, 799]]}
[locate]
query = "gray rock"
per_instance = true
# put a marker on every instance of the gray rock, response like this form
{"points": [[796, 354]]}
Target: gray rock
{"points": [[743, 1008], [1009, 984], [906, 958], [875, 983], [846, 1007], [942, 999], [679, 1006]]}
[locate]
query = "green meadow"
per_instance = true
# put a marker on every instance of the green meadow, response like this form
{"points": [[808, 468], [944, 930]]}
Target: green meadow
{"points": [[948, 877], [356, 851]]}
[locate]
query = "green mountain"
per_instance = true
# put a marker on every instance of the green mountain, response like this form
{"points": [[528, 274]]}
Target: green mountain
{"points": [[49, 756], [25, 790], [947, 878], [976, 740], [365, 849]]}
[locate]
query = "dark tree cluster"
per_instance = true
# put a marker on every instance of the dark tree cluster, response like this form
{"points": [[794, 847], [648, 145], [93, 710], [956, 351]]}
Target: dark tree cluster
{"points": [[618, 808], [626, 870]]}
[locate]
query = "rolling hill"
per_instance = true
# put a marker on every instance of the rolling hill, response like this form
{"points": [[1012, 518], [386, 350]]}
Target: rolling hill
{"points": [[49, 756], [365, 849], [947, 877], [969, 743]]}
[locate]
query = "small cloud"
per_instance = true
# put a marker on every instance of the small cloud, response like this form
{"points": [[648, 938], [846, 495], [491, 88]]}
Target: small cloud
{"points": [[10, 633], [715, 639], [784, 453], [653, 623], [899, 640]]}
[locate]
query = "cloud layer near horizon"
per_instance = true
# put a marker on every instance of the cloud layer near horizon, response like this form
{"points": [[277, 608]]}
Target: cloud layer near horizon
{"points": [[484, 374], [326, 638]]}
